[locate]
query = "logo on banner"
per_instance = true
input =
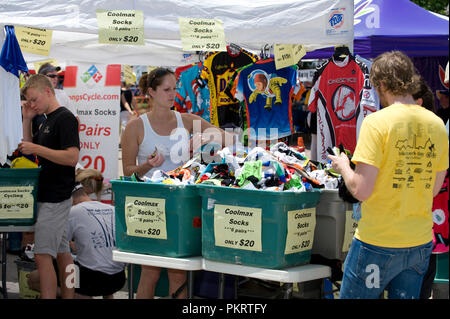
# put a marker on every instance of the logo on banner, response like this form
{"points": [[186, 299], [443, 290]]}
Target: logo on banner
{"points": [[91, 73], [336, 19]]}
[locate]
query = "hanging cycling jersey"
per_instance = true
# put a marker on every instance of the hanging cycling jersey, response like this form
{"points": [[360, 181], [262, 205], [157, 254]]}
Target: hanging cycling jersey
{"points": [[192, 96], [267, 93], [342, 96], [217, 71]]}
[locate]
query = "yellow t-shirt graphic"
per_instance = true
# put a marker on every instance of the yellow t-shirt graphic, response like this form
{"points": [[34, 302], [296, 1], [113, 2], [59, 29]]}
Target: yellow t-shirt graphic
{"points": [[409, 145]]}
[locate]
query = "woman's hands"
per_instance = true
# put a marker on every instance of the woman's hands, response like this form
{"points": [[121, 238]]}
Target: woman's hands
{"points": [[156, 159]]}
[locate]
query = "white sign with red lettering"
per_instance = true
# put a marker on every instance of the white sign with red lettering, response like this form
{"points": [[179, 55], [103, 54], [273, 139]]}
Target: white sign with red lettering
{"points": [[94, 90]]}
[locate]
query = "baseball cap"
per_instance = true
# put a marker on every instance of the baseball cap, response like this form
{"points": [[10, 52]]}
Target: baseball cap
{"points": [[47, 68]]}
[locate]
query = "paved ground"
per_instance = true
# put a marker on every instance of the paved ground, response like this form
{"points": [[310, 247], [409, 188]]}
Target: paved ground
{"points": [[12, 284]]}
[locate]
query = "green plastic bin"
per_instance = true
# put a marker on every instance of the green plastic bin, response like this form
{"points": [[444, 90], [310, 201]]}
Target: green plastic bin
{"points": [[157, 219], [441, 268], [18, 196], [257, 228]]}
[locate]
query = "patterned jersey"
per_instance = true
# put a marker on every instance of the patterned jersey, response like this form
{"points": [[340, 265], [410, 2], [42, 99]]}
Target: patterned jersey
{"points": [[217, 71], [342, 96], [267, 93], [192, 96]]}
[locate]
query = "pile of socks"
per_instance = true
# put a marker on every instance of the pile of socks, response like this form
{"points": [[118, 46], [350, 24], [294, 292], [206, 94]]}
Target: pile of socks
{"points": [[278, 168]]}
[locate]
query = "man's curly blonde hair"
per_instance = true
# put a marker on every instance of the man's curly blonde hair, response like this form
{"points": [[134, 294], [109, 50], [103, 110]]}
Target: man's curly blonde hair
{"points": [[397, 72]]}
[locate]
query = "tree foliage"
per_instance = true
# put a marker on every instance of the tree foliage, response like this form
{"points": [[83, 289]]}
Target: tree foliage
{"points": [[438, 6]]}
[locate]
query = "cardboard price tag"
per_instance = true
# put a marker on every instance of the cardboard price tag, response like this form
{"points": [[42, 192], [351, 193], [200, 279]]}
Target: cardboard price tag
{"points": [[288, 54], [301, 225], [120, 27], [16, 202], [128, 75], [33, 40], [350, 228], [298, 51], [238, 227], [284, 57], [202, 34], [146, 217]]}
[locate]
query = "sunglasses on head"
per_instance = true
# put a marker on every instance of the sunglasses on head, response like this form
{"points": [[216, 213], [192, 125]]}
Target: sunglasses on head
{"points": [[52, 75]]}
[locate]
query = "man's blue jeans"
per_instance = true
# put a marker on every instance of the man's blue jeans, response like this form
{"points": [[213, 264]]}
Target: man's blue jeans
{"points": [[368, 270]]}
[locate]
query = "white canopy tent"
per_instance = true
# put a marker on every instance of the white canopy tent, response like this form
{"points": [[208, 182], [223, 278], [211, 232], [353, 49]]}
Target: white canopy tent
{"points": [[250, 24]]}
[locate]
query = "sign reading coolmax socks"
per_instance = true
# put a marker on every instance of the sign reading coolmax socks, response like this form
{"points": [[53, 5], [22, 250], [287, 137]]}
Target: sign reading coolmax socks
{"points": [[146, 217], [300, 230], [120, 27], [33, 40], [238, 227], [16, 202], [94, 91], [202, 34]]}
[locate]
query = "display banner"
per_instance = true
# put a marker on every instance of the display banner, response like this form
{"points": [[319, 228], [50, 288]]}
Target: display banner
{"points": [[33, 40], [94, 90]]}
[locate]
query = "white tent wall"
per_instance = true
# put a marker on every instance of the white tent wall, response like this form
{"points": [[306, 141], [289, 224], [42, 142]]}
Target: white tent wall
{"points": [[250, 24]]}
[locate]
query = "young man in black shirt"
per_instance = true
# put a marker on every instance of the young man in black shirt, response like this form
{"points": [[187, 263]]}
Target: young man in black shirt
{"points": [[57, 146]]}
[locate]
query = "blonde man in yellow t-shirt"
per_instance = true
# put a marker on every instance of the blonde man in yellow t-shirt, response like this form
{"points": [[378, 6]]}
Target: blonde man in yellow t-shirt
{"points": [[401, 159]]}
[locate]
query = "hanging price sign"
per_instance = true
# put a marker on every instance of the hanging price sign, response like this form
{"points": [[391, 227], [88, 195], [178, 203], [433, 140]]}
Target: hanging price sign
{"points": [[298, 51], [202, 34], [32, 40], [120, 27], [287, 54]]}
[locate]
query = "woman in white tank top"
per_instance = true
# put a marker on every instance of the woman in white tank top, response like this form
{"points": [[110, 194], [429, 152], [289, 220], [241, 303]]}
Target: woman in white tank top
{"points": [[160, 140]]}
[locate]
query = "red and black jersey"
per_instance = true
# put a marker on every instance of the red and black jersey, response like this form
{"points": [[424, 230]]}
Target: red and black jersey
{"points": [[342, 96]]}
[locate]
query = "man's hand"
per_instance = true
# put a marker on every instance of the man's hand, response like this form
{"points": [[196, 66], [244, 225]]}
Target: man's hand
{"points": [[340, 163], [28, 148], [27, 111]]}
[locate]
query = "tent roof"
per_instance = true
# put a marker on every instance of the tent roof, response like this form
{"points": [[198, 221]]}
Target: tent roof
{"points": [[396, 18], [384, 25], [248, 23]]}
